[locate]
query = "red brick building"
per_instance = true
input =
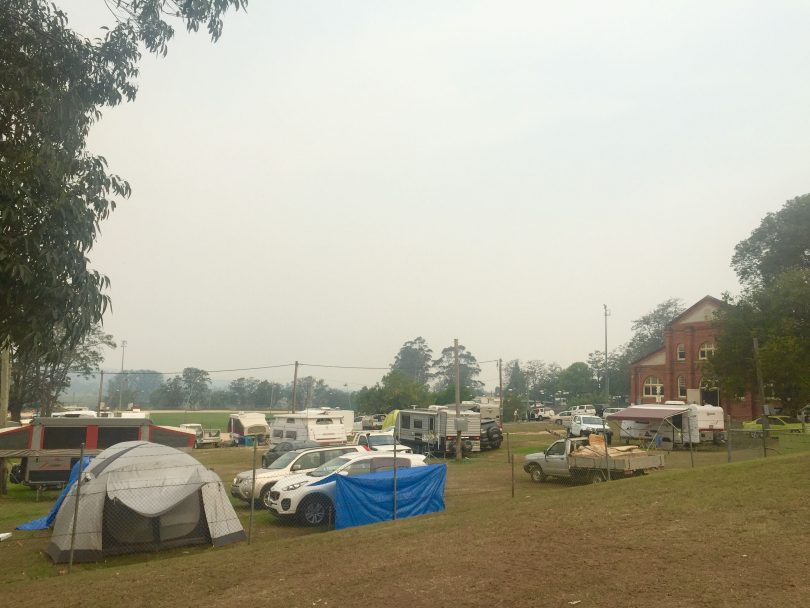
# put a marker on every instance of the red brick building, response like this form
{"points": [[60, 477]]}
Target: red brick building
{"points": [[675, 372]]}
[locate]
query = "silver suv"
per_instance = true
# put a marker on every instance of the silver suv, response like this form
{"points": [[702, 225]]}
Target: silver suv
{"points": [[295, 461]]}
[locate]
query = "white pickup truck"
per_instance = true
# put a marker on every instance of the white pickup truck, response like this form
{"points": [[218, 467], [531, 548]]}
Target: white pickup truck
{"points": [[576, 460]]}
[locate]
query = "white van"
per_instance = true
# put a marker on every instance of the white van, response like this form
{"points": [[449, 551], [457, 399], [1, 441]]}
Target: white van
{"points": [[322, 426]]}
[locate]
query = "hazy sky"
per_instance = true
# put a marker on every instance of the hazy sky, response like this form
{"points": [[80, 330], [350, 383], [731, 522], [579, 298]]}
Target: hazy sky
{"points": [[332, 179]]}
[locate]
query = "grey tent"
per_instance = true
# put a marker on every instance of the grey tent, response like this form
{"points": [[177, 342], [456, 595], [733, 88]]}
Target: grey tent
{"points": [[140, 496]]}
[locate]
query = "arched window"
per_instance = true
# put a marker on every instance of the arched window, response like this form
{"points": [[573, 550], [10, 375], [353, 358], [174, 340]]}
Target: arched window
{"points": [[681, 352], [681, 387], [653, 386], [706, 351]]}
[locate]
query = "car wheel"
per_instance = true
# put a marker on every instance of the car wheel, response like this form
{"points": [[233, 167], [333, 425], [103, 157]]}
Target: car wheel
{"points": [[558, 422], [264, 496], [537, 474], [316, 511]]}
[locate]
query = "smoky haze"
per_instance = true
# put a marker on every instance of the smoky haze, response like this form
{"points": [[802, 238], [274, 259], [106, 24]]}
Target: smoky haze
{"points": [[331, 179]]}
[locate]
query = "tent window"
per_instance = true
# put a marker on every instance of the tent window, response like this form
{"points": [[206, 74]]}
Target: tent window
{"points": [[63, 437], [110, 435]]}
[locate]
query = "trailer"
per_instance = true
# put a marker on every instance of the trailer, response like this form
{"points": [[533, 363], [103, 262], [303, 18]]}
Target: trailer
{"points": [[673, 422], [326, 427], [48, 447], [434, 429], [204, 437], [583, 460], [248, 424]]}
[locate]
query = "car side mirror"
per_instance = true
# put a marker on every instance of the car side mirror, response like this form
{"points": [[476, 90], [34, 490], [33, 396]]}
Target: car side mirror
{"points": [[295, 467]]}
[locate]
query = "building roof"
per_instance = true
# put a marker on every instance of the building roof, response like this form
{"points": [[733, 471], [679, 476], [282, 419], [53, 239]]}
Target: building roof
{"points": [[686, 313]]}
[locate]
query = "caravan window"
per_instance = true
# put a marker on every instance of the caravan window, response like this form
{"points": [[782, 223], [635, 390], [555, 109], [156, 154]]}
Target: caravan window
{"points": [[417, 424], [290, 420], [291, 435], [406, 421], [278, 433], [431, 423], [323, 421]]}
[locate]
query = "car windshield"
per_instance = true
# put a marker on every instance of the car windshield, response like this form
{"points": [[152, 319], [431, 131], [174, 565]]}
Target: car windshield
{"points": [[377, 440], [591, 420], [329, 467], [283, 461]]}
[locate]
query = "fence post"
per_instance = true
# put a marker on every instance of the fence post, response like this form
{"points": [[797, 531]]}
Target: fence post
{"points": [[253, 491], [76, 507], [508, 450], [728, 436]]}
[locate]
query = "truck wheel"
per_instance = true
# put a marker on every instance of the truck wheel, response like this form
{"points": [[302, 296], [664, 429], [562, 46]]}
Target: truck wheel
{"points": [[316, 511], [537, 474]]}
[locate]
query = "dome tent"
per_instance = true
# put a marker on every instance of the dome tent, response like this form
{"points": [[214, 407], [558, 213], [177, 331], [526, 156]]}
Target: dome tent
{"points": [[140, 496]]}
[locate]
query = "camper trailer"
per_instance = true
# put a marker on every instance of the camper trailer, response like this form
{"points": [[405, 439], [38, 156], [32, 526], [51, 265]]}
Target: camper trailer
{"points": [[678, 423], [324, 426], [48, 447], [435, 429], [248, 424]]}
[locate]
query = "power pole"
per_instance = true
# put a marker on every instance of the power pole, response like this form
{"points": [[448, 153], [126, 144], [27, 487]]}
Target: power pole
{"points": [[458, 401], [121, 379], [500, 386], [295, 385], [100, 392], [607, 368]]}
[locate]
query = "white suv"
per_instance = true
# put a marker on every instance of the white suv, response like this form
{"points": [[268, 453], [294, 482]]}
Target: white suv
{"points": [[583, 409], [582, 426], [296, 461], [313, 503]]}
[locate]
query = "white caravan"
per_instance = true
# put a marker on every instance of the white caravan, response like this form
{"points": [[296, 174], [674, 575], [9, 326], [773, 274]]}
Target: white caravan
{"points": [[324, 426], [699, 424], [246, 424]]}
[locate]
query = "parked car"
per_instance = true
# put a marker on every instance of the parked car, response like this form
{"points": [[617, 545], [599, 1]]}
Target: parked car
{"points": [[271, 455], [782, 424], [295, 461], [491, 435], [582, 426], [540, 413], [584, 409], [379, 441], [563, 418], [299, 497], [611, 410]]}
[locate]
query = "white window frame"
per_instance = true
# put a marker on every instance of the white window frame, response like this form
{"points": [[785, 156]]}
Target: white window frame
{"points": [[656, 388]]}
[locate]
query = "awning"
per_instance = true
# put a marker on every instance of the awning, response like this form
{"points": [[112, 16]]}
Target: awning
{"points": [[647, 414]]}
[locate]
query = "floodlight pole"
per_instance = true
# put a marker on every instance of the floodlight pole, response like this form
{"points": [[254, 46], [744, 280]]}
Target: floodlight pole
{"points": [[458, 401], [607, 369], [295, 386]]}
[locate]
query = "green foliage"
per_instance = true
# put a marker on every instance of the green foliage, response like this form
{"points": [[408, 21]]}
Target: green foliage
{"points": [[577, 379], [445, 369], [54, 194], [396, 390], [781, 242], [41, 366], [414, 359], [778, 315], [648, 330], [135, 386]]}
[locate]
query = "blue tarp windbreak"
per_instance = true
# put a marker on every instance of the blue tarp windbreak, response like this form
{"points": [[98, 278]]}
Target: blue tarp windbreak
{"points": [[366, 499]]}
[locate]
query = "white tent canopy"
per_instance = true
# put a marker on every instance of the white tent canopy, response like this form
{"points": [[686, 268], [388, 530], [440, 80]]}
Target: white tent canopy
{"points": [[140, 496]]}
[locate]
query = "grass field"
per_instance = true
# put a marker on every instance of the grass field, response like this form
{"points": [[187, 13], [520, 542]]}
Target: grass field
{"points": [[209, 420], [718, 535]]}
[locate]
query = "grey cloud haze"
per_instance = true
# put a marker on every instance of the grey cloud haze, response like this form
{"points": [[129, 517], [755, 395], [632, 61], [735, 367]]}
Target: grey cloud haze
{"points": [[332, 179]]}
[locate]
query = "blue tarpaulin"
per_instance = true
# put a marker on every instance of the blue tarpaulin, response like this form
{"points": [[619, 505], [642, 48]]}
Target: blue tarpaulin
{"points": [[43, 523], [367, 499]]}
